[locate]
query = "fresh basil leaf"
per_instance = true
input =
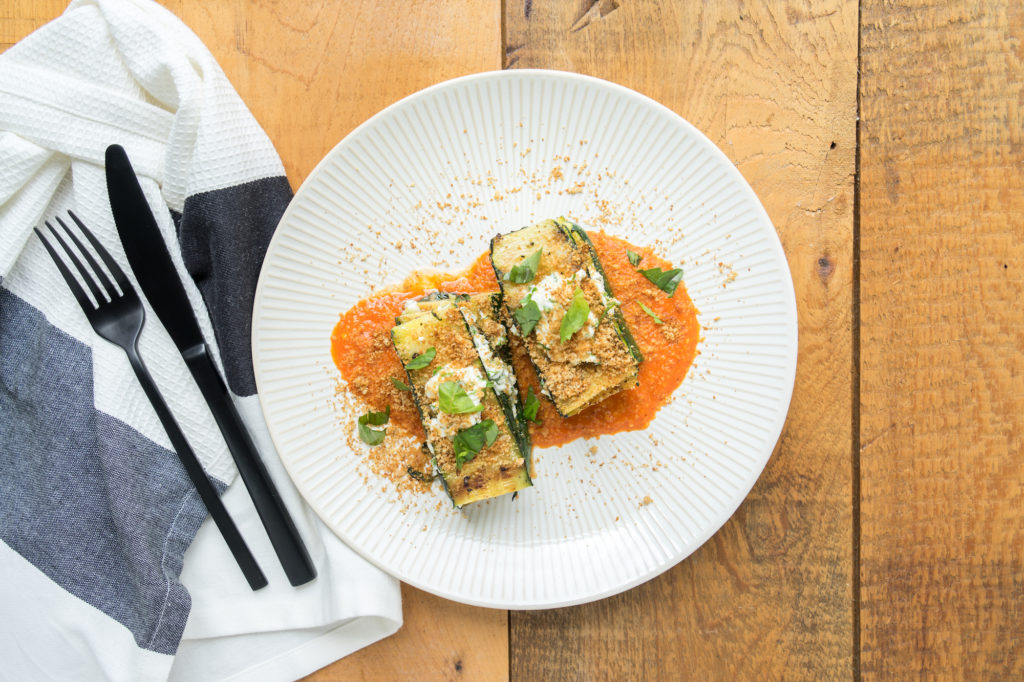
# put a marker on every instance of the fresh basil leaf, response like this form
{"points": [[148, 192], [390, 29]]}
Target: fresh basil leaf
{"points": [[575, 317], [376, 418], [419, 475], [528, 315], [373, 436], [468, 442], [666, 280], [650, 312], [531, 406], [453, 399], [423, 359], [525, 271], [634, 257], [400, 385]]}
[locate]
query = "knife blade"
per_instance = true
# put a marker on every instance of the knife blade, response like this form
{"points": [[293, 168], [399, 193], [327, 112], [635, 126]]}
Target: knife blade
{"points": [[151, 262]]}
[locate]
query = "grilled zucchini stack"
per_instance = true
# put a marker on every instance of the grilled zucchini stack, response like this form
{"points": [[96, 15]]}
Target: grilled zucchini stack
{"points": [[560, 302], [454, 350], [456, 354]]}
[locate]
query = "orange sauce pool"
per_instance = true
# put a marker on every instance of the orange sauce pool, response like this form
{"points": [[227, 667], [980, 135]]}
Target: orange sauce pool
{"points": [[361, 346]]}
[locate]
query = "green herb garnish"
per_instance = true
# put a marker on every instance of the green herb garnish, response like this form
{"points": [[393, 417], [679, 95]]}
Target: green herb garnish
{"points": [[423, 359], [419, 475], [607, 309], [525, 271], [650, 312], [666, 280], [634, 257], [528, 315], [373, 436], [400, 385], [468, 442], [453, 399], [531, 406], [575, 317]]}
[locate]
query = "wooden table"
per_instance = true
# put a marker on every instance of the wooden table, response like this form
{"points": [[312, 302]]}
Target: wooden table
{"points": [[885, 538]]}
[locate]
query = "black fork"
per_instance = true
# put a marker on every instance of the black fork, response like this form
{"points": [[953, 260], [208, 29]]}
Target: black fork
{"points": [[117, 315]]}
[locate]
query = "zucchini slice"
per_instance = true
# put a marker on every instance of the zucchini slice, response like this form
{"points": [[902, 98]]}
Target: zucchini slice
{"points": [[599, 356], [484, 315], [485, 319], [498, 468]]}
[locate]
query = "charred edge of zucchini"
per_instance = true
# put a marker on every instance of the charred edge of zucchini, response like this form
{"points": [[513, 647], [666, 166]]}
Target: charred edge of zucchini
{"points": [[419, 409], [515, 419], [505, 353], [433, 299], [578, 234]]}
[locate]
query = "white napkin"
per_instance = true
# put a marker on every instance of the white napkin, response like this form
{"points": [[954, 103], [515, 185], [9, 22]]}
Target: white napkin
{"points": [[95, 513]]}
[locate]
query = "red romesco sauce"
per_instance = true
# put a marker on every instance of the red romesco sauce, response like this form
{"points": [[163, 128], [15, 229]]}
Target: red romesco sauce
{"points": [[361, 346]]}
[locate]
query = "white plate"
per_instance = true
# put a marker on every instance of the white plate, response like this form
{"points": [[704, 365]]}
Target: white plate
{"points": [[373, 210]]}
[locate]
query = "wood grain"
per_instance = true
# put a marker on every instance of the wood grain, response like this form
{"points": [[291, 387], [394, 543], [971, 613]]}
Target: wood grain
{"points": [[311, 72], [442, 640], [774, 85], [18, 18], [942, 363]]}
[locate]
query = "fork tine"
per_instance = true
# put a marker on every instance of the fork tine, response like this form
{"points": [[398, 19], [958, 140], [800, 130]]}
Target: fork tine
{"points": [[112, 265], [97, 270], [82, 270], [83, 300]]}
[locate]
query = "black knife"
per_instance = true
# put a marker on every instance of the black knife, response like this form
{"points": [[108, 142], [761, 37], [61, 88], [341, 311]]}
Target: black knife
{"points": [[148, 256]]}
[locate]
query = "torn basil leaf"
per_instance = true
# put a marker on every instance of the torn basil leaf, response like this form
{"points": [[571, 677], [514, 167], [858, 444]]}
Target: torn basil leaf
{"points": [[468, 442], [525, 271], [666, 280], [423, 359], [400, 385], [453, 399], [528, 315], [575, 317], [373, 436], [634, 257], [650, 312], [531, 406]]}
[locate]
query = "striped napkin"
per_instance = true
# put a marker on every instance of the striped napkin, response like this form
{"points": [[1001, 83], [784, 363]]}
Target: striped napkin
{"points": [[107, 569]]}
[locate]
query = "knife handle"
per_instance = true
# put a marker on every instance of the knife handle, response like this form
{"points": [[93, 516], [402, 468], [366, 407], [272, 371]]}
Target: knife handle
{"points": [[207, 493], [284, 536]]}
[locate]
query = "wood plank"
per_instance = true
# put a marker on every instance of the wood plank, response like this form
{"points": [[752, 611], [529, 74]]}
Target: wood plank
{"points": [[18, 18], [310, 73], [774, 85], [942, 360], [441, 640]]}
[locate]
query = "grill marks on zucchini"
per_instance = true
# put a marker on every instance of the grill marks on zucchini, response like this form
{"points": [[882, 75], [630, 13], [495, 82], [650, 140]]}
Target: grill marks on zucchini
{"points": [[583, 359], [462, 329]]}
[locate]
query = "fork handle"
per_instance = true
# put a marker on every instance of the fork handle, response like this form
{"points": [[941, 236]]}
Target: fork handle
{"points": [[207, 493]]}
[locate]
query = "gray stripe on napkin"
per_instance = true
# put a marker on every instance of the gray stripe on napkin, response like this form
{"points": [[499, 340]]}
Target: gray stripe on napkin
{"points": [[102, 510], [224, 236]]}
